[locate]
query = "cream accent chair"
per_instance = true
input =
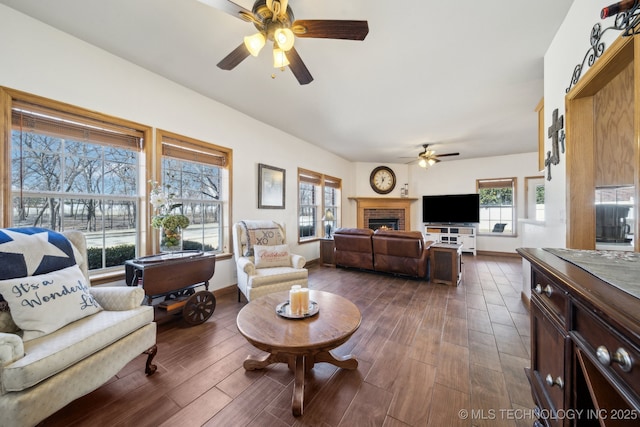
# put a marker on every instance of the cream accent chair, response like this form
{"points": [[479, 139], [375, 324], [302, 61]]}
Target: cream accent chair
{"points": [[40, 376], [255, 282]]}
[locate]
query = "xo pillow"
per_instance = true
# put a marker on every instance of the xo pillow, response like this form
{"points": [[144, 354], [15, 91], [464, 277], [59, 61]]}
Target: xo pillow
{"points": [[45, 303], [271, 256]]}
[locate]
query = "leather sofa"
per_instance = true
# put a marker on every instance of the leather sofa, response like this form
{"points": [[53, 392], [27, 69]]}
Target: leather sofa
{"points": [[387, 251]]}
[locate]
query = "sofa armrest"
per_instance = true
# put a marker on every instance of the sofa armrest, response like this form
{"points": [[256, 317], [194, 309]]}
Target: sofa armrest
{"points": [[298, 261], [11, 348], [118, 298], [247, 265]]}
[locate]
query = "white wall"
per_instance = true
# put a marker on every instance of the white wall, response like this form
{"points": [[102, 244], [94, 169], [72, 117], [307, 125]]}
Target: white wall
{"points": [[454, 177], [46, 62], [568, 49], [459, 176], [52, 64]]}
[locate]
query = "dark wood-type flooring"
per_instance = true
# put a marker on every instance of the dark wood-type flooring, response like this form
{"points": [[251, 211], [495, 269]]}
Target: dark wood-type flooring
{"points": [[426, 353]]}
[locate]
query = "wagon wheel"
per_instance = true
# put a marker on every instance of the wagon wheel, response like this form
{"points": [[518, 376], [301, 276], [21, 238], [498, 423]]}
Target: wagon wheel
{"points": [[199, 307]]}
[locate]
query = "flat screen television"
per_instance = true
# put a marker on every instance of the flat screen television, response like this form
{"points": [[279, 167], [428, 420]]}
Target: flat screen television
{"points": [[451, 208]]}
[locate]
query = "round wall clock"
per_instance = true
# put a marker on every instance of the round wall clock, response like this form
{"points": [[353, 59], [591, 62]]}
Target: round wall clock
{"points": [[382, 180]]}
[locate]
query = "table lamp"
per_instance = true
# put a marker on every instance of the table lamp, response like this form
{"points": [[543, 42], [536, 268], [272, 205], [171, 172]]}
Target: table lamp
{"points": [[328, 218]]}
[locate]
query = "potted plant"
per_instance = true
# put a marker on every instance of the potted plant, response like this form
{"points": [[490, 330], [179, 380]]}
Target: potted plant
{"points": [[170, 224]]}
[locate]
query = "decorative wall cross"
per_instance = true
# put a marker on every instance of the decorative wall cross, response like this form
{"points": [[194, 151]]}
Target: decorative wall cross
{"points": [[556, 134]]}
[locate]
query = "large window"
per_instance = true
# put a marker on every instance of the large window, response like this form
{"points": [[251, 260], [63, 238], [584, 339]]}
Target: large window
{"points": [[318, 204], [196, 172], [497, 205], [66, 168], [76, 171]]}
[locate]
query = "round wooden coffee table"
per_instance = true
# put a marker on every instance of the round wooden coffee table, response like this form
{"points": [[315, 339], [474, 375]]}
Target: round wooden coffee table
{"points": [[300, 343]]}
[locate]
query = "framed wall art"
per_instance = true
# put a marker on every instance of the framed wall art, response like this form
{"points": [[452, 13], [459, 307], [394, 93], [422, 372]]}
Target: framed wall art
{"points": [[271, 185]]}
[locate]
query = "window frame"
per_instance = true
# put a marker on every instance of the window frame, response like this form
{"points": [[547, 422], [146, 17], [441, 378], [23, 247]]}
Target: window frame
{"points": [[11, 97], [321, 182], [189, 149], [511, 182], [531, 183], [149, 165]]}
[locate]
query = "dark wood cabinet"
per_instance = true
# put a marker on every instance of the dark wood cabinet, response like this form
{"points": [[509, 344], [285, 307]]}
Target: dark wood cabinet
{"points": [[585, 346], [327, 257], [446, 263]]}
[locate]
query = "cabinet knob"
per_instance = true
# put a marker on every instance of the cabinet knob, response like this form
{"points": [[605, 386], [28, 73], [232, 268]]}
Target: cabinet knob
{"points": [[551, 382], [621, 357], [548, 290]]}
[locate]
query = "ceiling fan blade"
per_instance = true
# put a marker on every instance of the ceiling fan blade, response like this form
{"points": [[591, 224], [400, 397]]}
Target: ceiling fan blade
{"points": [[236, 56], [331, 29], [231, 8], [448, 154], [298, 68]]}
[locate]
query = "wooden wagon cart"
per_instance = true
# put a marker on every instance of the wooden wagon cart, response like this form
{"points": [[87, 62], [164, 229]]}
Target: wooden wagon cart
{"points": [[175, 277]]}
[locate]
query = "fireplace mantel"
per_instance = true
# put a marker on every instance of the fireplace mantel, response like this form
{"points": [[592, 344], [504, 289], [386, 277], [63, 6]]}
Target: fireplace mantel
{"points": [[384, 203]]}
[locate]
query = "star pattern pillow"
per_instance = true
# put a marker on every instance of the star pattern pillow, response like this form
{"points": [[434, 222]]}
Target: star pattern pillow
{"points": [[32, 250]]}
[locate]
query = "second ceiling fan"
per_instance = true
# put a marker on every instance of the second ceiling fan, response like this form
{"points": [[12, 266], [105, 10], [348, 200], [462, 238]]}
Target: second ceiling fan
{"points": [[429, 157], [274, 21]]}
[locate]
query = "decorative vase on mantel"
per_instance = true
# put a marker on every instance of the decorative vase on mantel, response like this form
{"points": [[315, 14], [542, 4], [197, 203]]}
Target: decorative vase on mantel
{"points": [[170, 239]]}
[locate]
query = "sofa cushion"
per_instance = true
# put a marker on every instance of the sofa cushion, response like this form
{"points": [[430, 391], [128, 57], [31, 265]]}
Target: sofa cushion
{"points": [[53, 353], [398, 243], [272, 256], [269, 276], [44, 303]]}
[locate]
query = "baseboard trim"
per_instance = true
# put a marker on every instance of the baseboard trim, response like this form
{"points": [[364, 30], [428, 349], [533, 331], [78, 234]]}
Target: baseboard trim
{"points": [[505, 254]]}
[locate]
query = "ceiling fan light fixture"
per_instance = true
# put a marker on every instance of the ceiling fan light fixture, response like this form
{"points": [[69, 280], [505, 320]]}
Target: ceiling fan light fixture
{"points": [[431, 161], [255, 43], [284, 38], [422, 163], [279, 58]]}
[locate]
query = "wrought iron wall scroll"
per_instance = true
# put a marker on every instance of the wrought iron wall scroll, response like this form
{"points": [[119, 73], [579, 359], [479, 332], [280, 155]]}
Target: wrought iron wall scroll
{"points": [[626, 21]]}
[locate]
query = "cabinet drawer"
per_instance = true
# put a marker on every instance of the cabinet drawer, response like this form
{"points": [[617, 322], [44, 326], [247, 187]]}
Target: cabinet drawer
{"points": [[550, 295], [548, 361], [616, 357]]}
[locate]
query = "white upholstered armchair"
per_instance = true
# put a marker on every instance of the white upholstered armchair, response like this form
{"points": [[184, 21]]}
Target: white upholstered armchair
{"points": [[59, 337], [263, 260]]}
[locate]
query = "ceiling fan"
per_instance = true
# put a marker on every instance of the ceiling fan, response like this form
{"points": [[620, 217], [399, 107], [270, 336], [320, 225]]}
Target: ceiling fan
{"points": [[274, 21], [429, 157]]}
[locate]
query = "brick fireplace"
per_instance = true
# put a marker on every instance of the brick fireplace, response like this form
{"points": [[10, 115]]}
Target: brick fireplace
{"points": [[381, 208]]}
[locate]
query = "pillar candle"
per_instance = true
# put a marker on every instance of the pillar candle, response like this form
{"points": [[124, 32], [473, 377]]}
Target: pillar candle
{"points": [[304, 300], [294, 299]]}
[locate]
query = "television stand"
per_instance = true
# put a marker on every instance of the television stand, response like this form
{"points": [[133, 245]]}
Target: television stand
{"points": [[464, 234]]}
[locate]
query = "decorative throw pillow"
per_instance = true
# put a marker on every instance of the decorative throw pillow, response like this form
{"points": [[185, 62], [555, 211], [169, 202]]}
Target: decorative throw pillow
{"points": [[266, 233], [32, 250], [45, 303], [272, 256]]}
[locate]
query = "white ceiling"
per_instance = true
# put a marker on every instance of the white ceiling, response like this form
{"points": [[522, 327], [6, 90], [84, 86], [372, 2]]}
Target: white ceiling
{"points": [[464, 76]]}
